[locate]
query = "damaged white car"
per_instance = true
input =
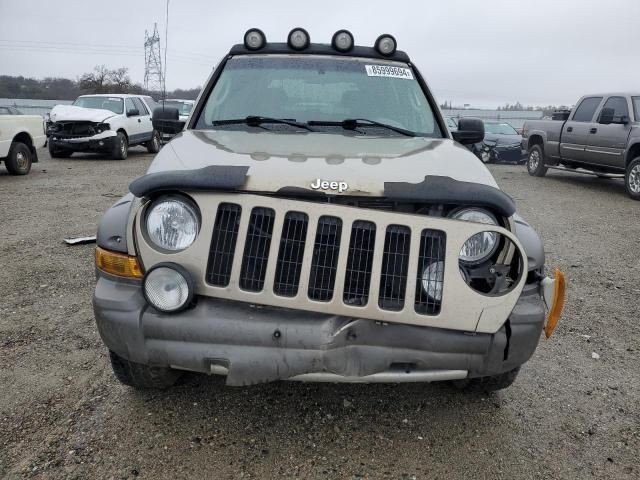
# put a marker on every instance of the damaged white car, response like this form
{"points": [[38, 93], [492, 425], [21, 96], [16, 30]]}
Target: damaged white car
{"points": [[105, 123]]}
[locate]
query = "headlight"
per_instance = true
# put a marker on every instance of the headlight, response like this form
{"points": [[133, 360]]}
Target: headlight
{"points": [[168, 288], [482, 245], [172, 223]]}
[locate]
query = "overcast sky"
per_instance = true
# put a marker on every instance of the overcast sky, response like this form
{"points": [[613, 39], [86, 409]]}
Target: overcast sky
{"points": [[481, 52]]}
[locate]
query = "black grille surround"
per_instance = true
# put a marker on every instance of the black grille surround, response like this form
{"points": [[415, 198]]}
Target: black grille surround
{"points": [[292, 244], [223, 244], [324, 263], [256, 249]]}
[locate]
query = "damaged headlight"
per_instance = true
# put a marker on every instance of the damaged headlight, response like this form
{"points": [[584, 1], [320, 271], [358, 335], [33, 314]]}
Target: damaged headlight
{"points": [[172, 223], [482, 245], [102, 127]]}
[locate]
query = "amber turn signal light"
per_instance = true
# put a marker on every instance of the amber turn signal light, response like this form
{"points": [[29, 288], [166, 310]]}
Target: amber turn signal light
{"points": [[118, 264], [558, 303]]}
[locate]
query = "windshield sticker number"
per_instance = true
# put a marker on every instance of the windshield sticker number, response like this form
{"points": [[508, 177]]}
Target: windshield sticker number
{"points": [[388, 71]]}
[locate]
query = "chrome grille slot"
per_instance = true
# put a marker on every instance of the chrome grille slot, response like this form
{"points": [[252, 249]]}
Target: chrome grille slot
{"points": [[395, 264], [256, 249], [289, 264], [324, 263], [359, 263], [432, 250], [223, 244]]}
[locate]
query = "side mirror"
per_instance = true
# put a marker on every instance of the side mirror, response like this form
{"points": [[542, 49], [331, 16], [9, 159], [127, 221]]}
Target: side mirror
{"points": [[470, 131], [622, 120], [606, 116], [134, 112], [166, 120]]}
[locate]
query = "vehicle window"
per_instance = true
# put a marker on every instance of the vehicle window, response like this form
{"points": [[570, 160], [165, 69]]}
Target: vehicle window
{"points": [[151, 103], [313, 88], [140, 106], [499, 129], [636, 108], [619, 105], [451, 123], [184, 108], [113, 104], [129, 104], [586, 109]]}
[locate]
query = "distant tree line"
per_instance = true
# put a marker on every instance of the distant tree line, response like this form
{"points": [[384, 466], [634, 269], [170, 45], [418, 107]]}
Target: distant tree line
{"points": [[100, 80]]}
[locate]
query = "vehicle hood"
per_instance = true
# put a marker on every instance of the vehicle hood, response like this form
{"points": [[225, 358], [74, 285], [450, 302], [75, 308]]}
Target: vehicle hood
{"points": [[61, 113], [295, 160], [502, 139]]}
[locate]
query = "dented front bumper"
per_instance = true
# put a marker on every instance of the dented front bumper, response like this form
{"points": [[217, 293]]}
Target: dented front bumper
{"points": [[251, 344]]}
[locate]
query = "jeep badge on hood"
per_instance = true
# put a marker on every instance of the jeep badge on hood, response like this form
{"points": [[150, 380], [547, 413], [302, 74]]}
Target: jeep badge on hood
{"points": [[320, 184]]}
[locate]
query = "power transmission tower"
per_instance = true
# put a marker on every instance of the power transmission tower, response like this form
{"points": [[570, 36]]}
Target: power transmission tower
{"points": [[153, 80]]}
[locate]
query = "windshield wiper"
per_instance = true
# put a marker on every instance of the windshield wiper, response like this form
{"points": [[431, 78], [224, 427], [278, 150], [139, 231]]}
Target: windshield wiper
{"points": [[354, 123], [256, 121]]}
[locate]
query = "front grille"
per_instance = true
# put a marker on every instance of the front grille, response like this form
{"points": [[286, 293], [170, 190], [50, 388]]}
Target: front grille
{"points": [[326, 258], [324, 264], [292, 240], [431, 253], [73, 129], [223, 244], [256, 249], [359, 263], [395, 263]]}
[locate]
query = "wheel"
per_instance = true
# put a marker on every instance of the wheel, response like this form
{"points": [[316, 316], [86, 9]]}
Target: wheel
{"points": [[19, 160], [632, 179], [535, 162], [488, 384], [153, 145], [120, 147], [57, 153], [141, 376]]}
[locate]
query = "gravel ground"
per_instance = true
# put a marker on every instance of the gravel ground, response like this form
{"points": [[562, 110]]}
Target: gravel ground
{"points": [[63, 415]]}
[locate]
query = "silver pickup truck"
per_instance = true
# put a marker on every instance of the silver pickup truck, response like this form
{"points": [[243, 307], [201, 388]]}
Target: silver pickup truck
{"points": [[600, 136]]}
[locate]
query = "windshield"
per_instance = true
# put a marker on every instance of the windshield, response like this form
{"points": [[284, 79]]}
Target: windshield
{"points": [[113, 104], [499, 129], [184, 108], [320, 89]]}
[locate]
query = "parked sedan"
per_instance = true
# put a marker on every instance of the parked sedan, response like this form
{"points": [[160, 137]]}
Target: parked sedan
{"points": [[502, 143]]}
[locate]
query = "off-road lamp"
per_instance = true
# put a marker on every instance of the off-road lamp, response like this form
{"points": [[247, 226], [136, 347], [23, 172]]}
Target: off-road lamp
{"points": [[342, 41], [386, 45], [254, 39], [298, 39]]}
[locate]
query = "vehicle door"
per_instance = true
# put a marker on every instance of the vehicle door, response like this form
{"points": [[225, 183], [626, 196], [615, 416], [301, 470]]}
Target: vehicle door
{"points": [[607, 138], [576, 129], [146, 126], [133, 122]]}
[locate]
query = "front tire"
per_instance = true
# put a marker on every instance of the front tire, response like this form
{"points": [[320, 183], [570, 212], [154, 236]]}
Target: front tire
{"points": [[141, 376], [120, 147], [57, 153], [19, 160], [535, 162], [632, 179], [153, 145]]}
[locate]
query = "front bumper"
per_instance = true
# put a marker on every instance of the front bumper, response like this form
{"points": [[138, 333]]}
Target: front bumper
{"points": [[85, 144], [252, 344]]}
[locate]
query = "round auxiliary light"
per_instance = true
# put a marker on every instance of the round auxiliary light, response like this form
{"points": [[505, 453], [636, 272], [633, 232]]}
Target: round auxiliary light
{"points": [[172, 223], [481, 245], [254, 39], [298, 39], [342, 41], [386, 45], [168, 288], [432, 280]]}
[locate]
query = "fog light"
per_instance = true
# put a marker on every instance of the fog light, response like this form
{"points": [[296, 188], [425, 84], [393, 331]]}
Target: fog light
{"points": [[386, 45], [298, 39], [342, 41], [432, 280], [254, 39], [101, 143], [168, 288]]}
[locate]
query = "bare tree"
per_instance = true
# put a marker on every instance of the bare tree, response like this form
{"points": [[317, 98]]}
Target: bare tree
{"points": [[96, 81]]}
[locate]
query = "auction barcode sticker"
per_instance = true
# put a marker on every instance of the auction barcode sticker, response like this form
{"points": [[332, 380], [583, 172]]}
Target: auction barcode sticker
{"points": [[388, 71]]}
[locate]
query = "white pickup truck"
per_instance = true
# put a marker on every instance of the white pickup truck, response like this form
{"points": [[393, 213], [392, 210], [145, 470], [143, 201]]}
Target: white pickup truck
{"points": [[20, 138]]}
